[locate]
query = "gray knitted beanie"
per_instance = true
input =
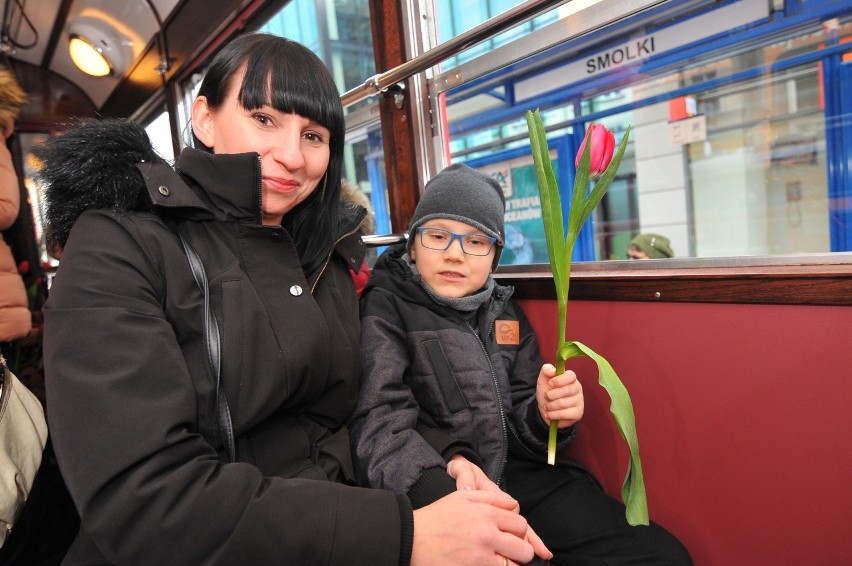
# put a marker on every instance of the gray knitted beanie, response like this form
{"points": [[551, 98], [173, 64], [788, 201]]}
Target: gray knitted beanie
{"points": [[465, 195]]}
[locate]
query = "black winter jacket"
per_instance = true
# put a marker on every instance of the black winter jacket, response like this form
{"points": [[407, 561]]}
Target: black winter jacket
{"points": [[434, 386], [130, 389]]}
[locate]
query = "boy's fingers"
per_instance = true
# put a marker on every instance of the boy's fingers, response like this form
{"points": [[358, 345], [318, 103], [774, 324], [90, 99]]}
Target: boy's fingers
{"points": [[567, 378]]}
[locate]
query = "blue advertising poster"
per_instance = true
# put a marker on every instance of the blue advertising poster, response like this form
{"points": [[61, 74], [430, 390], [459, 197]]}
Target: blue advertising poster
{"points": [[525, 243]]}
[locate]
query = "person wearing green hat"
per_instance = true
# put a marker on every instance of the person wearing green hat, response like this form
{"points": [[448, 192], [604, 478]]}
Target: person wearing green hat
{"points": [[649, 246]]}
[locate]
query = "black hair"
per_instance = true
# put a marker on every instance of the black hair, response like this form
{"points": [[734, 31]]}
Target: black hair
{"points": [[289, 77]]}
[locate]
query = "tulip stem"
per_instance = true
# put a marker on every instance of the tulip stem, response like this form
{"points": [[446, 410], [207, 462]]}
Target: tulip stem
{"points": [[559, 363]]}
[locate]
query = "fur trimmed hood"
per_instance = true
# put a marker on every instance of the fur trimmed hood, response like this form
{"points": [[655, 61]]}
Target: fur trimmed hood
{"points": [[93, 165]]}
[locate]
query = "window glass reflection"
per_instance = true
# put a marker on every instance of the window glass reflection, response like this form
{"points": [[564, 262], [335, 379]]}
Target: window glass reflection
{"points": [[731, 151]]}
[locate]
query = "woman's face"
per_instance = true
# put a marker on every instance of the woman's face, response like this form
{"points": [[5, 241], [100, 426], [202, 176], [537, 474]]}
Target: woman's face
{"points": [[294, 151]]}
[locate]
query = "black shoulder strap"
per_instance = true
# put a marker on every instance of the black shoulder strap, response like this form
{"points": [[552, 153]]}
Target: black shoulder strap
{"points": [[211, 335]]}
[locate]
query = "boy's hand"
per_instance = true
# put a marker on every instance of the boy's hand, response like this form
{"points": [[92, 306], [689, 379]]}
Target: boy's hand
{"points": [[559, 397], [468, 475]]}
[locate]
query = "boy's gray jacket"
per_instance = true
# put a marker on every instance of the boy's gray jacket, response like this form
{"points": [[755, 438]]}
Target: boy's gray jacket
{"points": [[434, 386]]}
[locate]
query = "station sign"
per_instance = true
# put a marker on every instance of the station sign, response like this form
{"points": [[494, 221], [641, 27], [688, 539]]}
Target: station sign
{"points": [[676, 36]]}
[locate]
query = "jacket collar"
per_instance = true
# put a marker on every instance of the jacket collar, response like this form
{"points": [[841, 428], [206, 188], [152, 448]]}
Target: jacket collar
{"points": [[392, 272], [228, 187], [224, 187], [350, 246]]}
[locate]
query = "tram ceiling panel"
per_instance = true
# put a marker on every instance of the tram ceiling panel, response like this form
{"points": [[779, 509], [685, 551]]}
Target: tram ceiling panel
{"points": [[132, 35]]}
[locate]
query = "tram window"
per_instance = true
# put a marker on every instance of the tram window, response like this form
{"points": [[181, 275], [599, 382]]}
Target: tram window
{"points": [[160, 133], [189, 90], [731, 147], [338, 31], [31, 165], [455, 17]]}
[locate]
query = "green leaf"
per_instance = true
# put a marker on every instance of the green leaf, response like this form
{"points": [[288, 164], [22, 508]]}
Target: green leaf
{"points": [[621, 407], [551, 206]]}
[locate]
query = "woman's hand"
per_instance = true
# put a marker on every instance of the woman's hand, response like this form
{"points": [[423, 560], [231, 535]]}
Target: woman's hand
{"points": [[559, 397], [469, 476], [474, 527]]}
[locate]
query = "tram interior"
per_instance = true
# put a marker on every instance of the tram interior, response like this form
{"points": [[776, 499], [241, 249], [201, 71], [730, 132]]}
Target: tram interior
{"points": [[735, 351]]}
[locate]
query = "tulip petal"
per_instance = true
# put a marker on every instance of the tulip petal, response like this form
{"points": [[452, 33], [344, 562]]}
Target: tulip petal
{"points": [[609, 148], [597, 151], [582, 149], [602, 184]]}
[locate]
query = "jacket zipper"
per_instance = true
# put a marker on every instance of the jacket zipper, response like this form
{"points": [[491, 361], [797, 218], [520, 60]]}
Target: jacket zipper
{"points": [[260, 190], [328, 257], [500, 405], [507, 428]]}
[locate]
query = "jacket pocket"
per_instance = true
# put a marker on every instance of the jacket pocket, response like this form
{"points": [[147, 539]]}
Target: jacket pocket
{"points": [[450, 389]]}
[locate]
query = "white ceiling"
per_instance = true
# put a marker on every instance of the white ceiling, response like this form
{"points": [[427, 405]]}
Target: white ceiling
{"points": [[132, 20]]}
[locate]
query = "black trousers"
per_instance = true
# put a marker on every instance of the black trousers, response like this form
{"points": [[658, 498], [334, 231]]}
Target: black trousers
{"points": [[581, 524]]}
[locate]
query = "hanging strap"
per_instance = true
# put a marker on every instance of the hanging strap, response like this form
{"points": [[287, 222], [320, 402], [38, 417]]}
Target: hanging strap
{"points": [[211, 335]]}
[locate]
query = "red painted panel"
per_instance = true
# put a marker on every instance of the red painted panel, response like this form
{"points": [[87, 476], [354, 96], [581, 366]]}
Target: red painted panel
{"points": [[744, 421]]}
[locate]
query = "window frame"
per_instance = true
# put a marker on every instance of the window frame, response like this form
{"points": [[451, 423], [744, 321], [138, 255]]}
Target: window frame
{"points": [[815, 279], [808, 279]]}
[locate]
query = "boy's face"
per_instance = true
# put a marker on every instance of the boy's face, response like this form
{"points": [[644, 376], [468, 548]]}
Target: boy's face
{"points": [[451, 272]]}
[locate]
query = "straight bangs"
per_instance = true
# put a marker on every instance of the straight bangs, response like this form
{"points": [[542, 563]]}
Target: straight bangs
{"points": [[281, 74]]}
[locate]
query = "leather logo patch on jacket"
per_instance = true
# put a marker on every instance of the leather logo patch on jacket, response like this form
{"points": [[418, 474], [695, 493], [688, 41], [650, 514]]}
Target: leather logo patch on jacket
{"points": [[508, 332]]}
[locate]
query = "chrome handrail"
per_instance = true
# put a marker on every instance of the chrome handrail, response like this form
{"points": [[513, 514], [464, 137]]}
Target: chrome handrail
{"points": [[487, 29], [376, 240]]}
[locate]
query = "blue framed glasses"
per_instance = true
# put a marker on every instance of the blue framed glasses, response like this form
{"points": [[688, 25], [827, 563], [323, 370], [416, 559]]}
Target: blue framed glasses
{"points": [[471, 244]]}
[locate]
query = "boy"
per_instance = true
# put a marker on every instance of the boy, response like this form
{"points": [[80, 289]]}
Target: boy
{"points": [[456, 395]]}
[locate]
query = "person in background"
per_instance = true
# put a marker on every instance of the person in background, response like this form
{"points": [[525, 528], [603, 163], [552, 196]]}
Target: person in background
{"points": [[353, 194], [15, 315], [649, 246], [456, 395], [141, 421]]}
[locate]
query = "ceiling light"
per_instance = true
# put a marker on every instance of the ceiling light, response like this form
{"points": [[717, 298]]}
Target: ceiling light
{"points": [[88, 57], [96, 48]]}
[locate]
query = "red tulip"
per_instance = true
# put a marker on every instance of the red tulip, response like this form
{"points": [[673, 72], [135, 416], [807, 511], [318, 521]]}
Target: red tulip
{"points": [[600, 154]]}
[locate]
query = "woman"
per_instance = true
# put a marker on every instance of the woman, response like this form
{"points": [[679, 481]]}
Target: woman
{"points": [[15, 316], [132, 405]]}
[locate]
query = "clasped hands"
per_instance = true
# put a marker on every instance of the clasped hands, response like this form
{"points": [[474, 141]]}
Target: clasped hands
{"points": [[478, 524]]}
